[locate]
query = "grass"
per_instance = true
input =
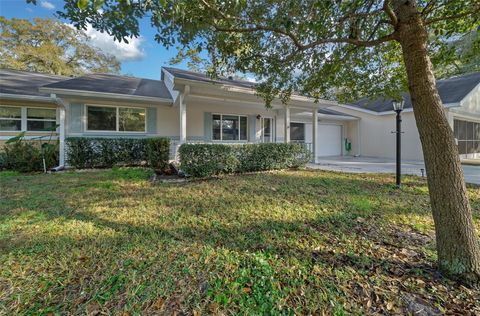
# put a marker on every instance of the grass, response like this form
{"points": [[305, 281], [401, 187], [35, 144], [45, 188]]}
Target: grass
{"points": [[279, 243]]}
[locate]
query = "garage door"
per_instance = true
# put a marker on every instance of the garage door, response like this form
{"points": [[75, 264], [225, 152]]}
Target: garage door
{"points": [[329, 140]]}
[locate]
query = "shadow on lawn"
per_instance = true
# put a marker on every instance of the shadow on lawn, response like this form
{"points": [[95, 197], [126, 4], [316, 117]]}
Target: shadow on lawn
{"points": [[277, 237]]}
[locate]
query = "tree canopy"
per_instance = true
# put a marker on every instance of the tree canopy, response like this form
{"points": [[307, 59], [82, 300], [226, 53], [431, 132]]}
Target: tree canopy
{"points": [[308, 46], [49, 46]]}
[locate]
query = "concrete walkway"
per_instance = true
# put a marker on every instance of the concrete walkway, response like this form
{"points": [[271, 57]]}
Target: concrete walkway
{"points": [[384, 165]]}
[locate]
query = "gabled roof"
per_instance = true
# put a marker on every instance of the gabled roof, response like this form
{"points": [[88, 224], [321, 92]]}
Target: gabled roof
{"points": [[451, 90], [18, 82], [113, 84], [196, 76]]}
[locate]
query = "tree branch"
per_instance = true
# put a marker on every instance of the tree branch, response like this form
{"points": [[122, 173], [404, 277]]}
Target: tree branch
{"points": [[300, 46], [388, 10], [452, 17]]}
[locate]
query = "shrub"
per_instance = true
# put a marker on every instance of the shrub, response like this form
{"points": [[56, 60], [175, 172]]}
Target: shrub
{"points": [[85, 152], [158, 152], [26, 156], [203, 160]]}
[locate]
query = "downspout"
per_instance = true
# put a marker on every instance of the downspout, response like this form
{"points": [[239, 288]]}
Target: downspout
{"points": [[62, 109]]}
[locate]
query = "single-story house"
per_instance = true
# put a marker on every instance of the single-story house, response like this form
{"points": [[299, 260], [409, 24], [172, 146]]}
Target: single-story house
{"points": [[191, 107], [183, 105]]}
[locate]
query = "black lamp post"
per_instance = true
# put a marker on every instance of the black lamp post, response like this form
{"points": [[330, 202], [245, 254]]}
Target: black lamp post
{"points": [[398, 107]]}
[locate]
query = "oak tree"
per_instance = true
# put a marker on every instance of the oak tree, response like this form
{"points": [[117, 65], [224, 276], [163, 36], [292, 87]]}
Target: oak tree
{"points": [[50, 46]]}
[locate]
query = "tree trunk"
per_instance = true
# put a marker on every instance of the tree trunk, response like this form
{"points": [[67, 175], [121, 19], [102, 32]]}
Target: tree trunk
{"points": [[458, 245]]}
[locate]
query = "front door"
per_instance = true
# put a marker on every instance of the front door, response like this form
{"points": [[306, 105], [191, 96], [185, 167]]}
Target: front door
{"points": [[267, 129]]}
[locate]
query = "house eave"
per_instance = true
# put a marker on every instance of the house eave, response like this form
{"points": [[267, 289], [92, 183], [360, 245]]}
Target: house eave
{"points": [[25, 97], [115, 96]]}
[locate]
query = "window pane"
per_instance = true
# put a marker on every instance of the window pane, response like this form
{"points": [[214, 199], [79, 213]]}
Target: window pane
{"points": [[462, 130], [476, 148], [39, 126], [101, 119], [131, 120], [297, 131], [10, 112], [10, 125], [470, 127], [477, 131], [230, 127], [470, 149], [243, 128], [33, 113], [462, 147], [267, 129], [456, 128], [216, 125]]}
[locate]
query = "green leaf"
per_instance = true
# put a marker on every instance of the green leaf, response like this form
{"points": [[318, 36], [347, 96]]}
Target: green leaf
{"points": [[97, 4], [82, 4], [15, 139]]}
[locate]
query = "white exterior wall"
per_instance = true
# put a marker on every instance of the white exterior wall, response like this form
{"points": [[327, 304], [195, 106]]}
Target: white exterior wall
{"points": [[377, 139]]}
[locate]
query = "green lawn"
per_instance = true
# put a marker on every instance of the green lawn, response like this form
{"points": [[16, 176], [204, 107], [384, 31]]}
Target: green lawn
{"points": [[288, 242]]}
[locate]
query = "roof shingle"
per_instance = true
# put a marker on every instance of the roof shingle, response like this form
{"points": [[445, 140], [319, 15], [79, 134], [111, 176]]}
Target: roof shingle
{"points": [[451, 90], [25, 82]]}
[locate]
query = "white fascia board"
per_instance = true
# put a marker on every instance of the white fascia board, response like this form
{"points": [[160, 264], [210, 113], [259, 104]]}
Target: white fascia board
{"points": [[114, 96], [297, 100], [24, 97]]}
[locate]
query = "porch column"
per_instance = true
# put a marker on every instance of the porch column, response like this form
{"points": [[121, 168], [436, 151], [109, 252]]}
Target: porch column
{"points": [[315, 135], [287, 125], [61, 114], [182, 109]]}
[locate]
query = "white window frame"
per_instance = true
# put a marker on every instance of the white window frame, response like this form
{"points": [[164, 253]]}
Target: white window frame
{"points": [[117, 118], [23, 119], [221, 140], [272, 129], [42, 120]]}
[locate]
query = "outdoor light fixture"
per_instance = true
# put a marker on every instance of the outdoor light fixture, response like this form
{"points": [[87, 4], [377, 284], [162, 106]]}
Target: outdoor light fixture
{"points": [[398, 107]]}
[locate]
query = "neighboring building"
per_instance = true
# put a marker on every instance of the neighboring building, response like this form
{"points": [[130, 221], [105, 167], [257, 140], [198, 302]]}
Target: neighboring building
{"points": [[190, 107], [461, 99]]}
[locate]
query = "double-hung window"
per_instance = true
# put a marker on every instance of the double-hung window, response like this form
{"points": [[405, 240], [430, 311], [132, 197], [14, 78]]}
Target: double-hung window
{"points": [[468, 136], [229, 127], [10, 118], [116, 119]]}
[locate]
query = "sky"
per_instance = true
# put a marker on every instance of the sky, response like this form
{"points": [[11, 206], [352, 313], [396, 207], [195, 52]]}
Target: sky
{"points": [[142, 57]]}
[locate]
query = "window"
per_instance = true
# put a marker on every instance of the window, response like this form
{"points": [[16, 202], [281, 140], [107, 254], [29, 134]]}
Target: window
{"points": [[468, 136], [115, 119], [10, 118], [297, 132], [39, 119], [229, 127]]}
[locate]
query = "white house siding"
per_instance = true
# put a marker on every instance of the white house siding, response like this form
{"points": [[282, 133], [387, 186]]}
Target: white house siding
{"points": [[376, 137]]}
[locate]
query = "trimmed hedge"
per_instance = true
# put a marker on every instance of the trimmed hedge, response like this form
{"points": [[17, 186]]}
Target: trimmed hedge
{"points": [[82, 152], [26, 156], [204, 160]]}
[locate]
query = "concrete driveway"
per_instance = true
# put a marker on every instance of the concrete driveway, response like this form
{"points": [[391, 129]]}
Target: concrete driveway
{"points": [[384, 165]]}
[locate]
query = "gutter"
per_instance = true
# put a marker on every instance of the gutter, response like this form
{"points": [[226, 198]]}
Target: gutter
{"points": [[116, 96], [61, 148], [23, 97]]}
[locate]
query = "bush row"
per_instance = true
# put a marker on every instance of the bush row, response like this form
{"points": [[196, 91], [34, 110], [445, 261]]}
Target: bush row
{"points": [[203, 160], [84, 152], [26, 156]]}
